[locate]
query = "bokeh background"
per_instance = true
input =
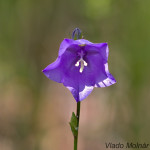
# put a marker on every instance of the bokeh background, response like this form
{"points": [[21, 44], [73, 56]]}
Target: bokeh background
{"points": [[34, 111]]}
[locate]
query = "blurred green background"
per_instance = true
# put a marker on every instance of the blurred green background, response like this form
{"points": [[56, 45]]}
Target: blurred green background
{"points": [[34, 111]]}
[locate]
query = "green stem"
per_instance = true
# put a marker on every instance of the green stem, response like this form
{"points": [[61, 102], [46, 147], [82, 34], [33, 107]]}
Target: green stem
{"points": [[78, 117]]}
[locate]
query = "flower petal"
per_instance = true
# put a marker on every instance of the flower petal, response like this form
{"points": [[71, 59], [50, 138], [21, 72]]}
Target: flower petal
{"points": [[78, 87], [95, 70], [69, 42], [63, 64], [101, 48], [64, 45], [53, 72], [80, 95], [108, 81], [77, 82]]}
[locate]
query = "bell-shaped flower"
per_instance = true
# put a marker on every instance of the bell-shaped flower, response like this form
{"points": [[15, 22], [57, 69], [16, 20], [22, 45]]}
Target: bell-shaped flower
{"points": [[81, 65]]}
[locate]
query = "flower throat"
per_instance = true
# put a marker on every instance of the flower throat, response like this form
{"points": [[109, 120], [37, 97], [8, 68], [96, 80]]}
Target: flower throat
{"points": [[81, 61]]}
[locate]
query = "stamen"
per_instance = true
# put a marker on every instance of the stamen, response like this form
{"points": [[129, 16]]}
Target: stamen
{"points": [[77, 64], [82, 64], [85, 64]]}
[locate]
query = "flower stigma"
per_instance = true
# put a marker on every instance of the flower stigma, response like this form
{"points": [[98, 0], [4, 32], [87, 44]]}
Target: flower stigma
{"points": [[81, 62]]}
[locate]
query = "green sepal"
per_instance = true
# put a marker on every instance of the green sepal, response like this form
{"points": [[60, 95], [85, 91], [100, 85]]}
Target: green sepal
{"points": [[73, 124]]}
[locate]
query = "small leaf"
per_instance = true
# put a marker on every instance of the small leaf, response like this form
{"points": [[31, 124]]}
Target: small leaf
{"points": [[73, 124]]}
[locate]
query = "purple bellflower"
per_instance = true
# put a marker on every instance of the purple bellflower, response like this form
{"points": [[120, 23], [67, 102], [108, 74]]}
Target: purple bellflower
{"points": [[81, 65]]}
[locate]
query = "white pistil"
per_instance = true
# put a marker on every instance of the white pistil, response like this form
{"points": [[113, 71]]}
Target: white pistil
{"points": [[82, 64]]}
